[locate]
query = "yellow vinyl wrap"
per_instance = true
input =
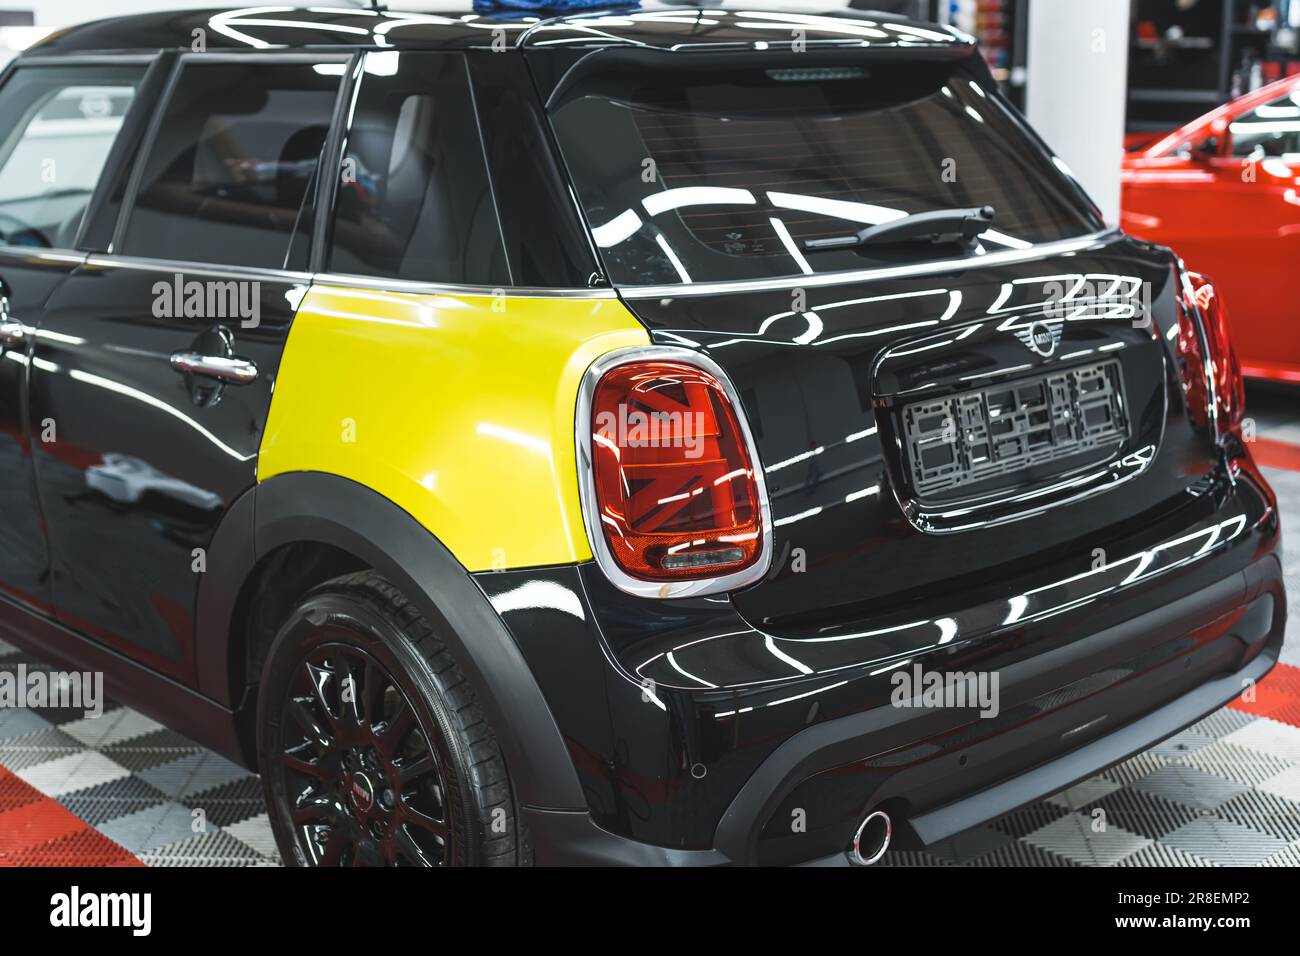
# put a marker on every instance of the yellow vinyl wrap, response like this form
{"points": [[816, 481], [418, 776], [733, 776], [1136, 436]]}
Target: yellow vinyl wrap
{"points": [[459, 409]]}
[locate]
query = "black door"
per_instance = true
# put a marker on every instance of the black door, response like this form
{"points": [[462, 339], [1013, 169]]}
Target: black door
{"points": [[57, 127], [156, 365]]}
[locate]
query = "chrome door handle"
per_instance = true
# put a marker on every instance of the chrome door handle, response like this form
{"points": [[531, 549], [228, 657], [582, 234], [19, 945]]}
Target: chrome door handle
{"points": [[11, 330], [232, 371]]}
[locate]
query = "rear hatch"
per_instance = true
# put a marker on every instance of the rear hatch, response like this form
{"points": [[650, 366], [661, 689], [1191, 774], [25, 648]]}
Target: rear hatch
{"points": [[933, 417]]}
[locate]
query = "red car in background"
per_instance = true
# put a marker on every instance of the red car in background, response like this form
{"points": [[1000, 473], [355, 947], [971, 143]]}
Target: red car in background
{"points": [[1224, 193]]}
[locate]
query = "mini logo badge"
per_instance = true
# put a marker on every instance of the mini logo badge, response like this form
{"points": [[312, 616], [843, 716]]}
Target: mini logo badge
{"points": [[362, 792], [1041, 337]]}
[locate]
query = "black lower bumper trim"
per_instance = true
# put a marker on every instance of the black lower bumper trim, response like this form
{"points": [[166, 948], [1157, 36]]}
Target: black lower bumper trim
{"points": [[573, 838], [1070, 768]]}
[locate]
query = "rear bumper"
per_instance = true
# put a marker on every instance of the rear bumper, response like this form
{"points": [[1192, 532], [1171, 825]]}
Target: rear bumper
{"points": [[751, 765], [1245, 615]]}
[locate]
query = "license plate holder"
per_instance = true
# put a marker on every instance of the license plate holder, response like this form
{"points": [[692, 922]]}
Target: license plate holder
{"points": [[1014, 433]]}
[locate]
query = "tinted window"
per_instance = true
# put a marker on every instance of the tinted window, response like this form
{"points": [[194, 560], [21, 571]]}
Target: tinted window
{"points": [[704, 174], [1269, 130], [58, 126], [231, 176], [414, 201]]}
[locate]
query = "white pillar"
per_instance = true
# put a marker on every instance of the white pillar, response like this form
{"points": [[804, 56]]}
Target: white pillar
{"points": [[1077, 64]]}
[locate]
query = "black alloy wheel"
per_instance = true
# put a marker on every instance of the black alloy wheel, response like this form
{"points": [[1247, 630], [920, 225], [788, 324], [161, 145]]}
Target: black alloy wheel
{"points": [[366, 786], [373, 749]]}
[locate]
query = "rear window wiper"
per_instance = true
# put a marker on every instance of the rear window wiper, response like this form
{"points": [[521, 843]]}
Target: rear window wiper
{"points": [[939, 226]]}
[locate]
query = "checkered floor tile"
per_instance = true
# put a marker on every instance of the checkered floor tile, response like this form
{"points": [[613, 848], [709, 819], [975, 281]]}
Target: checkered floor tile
{"points": [[120, 790], [1224, 792]]}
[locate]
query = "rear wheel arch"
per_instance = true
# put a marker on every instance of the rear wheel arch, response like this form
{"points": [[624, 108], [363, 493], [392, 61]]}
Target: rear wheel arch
{"points": [[334, 522]]}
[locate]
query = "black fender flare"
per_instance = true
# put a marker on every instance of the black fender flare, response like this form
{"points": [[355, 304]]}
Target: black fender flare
{"points": [[327, 509]]}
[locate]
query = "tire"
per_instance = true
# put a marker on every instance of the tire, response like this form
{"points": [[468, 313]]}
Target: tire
{"points": [[403, 769]]}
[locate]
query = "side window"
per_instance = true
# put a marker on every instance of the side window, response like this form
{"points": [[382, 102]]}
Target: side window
{"points": [[231, 176], [1269, 130], [57, 125], [413, 198]]}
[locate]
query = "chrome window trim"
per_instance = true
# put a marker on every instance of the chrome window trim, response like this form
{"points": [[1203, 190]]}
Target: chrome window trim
{"points": [[817, 280], [277, 55], [625, 582], [417, 287], [186, 267], [182, 267], [94, 59], [60, 254]]}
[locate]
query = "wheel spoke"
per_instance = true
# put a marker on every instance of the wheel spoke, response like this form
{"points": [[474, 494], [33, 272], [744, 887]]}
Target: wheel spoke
{"points": [[320, 677], [318, 807], [404, 845], [409, 773], [372, 693], [417, 818], [294, 763], [350, 705], [394, 731], [298, 708]]}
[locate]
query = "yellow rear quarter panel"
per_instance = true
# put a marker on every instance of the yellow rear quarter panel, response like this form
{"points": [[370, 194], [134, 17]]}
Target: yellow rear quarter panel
{"points": [[459, 409]]}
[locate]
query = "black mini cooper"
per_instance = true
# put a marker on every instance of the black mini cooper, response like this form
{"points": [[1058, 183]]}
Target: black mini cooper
{"points": [[673, 436]]}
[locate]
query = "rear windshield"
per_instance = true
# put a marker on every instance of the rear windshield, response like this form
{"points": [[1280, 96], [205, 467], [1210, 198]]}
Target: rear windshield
{"points": [[705, 175]]}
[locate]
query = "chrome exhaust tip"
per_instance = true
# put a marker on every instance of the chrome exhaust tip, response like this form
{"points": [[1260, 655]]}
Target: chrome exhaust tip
{"points": [[872, 839]]}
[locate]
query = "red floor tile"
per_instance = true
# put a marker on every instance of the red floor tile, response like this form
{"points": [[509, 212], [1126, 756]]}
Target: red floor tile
{"points": [[1276, 696], [38, 831], [1276, 454]]}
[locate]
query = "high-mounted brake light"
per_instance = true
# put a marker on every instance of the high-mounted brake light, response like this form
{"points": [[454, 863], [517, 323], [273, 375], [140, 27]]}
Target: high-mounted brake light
{"points": [[673, 496], [1212, 380]]}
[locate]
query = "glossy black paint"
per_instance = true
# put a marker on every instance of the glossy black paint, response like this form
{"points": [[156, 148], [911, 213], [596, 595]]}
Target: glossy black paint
{"points": [[686, 730], [252, 28], [688, 29], [25, 283], [667, 27], [683, 761], [312, 507], [823, 385], [147, 462]]}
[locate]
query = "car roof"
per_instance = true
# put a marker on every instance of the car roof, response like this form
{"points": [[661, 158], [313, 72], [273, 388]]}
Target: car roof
{"points": [[1228, 110], [660, 27]]}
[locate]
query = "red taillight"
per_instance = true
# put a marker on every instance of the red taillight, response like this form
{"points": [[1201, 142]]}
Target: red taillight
{"points": [[675, 490], [1219, 367], [1192, 365]]}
